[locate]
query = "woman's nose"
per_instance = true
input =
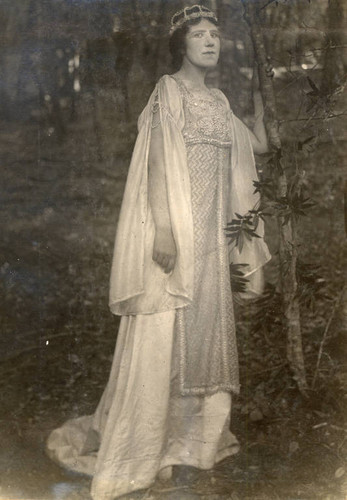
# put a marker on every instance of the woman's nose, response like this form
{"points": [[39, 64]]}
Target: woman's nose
{"points": [[209, 40]]}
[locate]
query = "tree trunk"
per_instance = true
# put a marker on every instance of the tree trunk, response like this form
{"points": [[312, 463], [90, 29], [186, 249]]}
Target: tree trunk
{"points": [[334, 67], [287, 231], [13, 18], [96, 123]]}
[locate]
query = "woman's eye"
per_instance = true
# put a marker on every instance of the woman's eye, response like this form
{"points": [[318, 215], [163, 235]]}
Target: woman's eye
{"points": [[197, 35], [215, 35]]}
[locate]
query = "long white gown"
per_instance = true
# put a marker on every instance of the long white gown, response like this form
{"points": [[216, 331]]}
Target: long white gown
{"points": [[142, 428], [168, 398]]}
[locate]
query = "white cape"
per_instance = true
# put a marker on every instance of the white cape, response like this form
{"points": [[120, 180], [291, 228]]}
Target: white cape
{"points": [[138, 285]]}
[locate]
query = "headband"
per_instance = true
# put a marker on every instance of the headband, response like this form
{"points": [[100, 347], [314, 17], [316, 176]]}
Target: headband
{"points": [[188, 13]]}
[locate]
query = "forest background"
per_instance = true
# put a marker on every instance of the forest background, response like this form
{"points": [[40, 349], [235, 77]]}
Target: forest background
{"points": [[75, 74]]}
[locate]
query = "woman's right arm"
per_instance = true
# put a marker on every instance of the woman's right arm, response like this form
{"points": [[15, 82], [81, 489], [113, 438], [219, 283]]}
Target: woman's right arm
{"points": [[164, 248]]}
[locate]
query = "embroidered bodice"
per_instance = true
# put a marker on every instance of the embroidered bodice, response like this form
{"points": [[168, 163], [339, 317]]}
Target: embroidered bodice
{"points": [[206, 116]]}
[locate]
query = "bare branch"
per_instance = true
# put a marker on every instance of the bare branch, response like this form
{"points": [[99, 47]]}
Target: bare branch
{"points": [[269, 2], [321, 49], [318, 118], [325, 334]]}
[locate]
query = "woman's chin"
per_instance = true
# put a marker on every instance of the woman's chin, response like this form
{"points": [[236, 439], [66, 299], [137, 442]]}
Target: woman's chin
{"points": [[208, 65]]}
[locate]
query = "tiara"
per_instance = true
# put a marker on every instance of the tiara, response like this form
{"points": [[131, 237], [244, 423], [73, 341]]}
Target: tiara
{"points": [[188, 13]]}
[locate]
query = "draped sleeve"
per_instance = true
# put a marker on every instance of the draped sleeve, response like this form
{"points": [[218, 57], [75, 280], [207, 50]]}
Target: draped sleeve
{"points": [[242, 198], [138, 285]]}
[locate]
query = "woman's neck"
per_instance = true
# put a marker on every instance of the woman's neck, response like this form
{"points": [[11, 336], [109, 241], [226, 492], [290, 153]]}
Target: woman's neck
{"points": [[193, 74]]}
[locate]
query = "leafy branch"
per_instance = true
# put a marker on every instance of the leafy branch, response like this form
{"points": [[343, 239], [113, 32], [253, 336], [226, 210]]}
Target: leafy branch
{"points": [[317, 118], [237, 278], [242, 228], [290, 207], [318, 97], [293, 205], [312, 287], [276, 2]]}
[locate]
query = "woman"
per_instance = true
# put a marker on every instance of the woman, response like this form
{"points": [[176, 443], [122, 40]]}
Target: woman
{"points": [[168, 398]]}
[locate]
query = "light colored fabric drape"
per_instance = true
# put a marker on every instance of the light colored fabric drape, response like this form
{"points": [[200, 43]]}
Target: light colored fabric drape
{"points": [[242, 198], [138, 285], [255, 252], [138, 427]]}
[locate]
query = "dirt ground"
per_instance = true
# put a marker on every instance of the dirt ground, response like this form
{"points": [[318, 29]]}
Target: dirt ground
{"points": [[59, 208]]}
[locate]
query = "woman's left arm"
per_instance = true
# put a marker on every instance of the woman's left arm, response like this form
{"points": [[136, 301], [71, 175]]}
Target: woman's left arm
{"points": [[258, 136]]}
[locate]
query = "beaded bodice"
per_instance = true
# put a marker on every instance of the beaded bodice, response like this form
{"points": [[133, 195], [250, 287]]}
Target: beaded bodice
{"points": [[206, 116]]}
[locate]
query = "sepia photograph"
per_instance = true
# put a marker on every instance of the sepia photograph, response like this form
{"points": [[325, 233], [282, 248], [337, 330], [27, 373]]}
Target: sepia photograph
{"points": [[173, 250]]}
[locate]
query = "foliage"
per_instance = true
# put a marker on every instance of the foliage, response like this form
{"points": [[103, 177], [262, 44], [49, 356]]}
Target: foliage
{"points": [[283, 195], [237, 278], [267, 310], [243, 227], [312, 286]]}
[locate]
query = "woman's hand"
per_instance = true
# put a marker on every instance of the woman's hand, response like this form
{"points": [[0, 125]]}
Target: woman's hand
{"points": [[164, 249]]}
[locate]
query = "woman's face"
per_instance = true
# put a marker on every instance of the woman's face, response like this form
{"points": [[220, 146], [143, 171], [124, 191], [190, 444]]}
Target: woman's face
{"points": [[203, 44]]}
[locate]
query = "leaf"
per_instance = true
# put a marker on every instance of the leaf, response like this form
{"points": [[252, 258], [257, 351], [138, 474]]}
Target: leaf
{"points": [[240, 242], [232, 237], [248, 235], [239, 229], [265, 187], [256, 221], [309, 204], [237, 273], [308, 145], [255, 235], [339, 472], [313, 85], [238, 281], [310, 139], [234, 222]]}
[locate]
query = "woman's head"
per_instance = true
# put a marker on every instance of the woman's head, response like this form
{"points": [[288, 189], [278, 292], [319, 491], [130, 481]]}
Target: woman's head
{"points": [[194, 35]]}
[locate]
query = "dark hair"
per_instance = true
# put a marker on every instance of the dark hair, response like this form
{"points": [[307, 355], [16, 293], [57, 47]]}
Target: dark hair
{"points": [[177, 44]]}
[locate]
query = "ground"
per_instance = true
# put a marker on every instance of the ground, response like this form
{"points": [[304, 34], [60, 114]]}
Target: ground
{"points": [[59, 208]]}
